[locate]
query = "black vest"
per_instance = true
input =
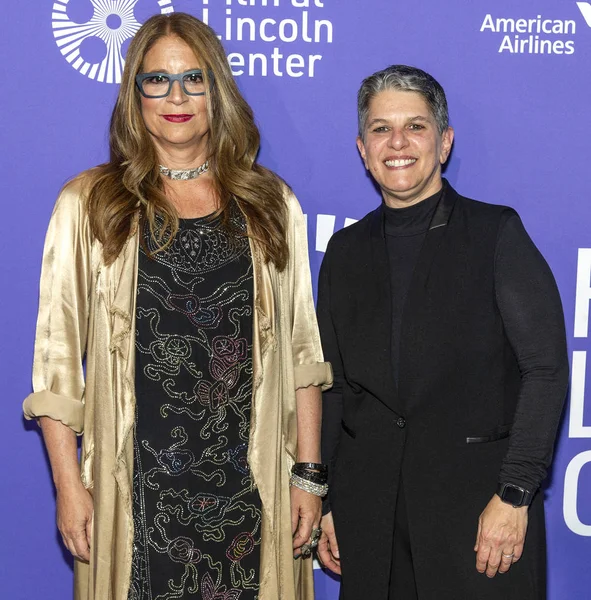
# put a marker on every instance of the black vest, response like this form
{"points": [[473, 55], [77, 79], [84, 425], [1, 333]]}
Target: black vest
{"points": [[453, 350]]}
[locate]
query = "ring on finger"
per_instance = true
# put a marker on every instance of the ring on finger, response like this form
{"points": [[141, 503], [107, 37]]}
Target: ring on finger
{"points": [[316, 534], [508, 556], [306, 551]]}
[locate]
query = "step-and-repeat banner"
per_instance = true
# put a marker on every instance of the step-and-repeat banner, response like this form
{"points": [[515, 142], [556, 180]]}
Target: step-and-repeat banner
{"points": [[518, 79]]}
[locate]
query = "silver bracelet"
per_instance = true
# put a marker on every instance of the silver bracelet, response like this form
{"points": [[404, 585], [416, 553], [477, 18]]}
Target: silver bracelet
{"points": [[316, 489]]}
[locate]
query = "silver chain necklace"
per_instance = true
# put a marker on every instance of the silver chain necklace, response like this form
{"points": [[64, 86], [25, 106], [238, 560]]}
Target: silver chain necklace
{"points": [[184, 174]]}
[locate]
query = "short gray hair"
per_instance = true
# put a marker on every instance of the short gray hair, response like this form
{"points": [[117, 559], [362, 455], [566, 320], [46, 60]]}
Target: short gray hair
{"points": [[409, 79]]}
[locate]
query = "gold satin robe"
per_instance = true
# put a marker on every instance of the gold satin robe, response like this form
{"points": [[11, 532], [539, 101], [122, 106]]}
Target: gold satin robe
{"points": [[87, 310]]}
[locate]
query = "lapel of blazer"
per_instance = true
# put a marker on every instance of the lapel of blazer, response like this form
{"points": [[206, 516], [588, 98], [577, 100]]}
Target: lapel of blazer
{"points": [[432, 243]]}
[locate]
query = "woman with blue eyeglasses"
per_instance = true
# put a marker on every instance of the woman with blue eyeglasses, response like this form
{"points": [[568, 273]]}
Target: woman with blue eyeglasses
{"points": [[178, 273]]}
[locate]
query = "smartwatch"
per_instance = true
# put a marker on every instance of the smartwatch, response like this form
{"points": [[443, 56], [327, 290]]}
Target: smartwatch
{"points": [[514, 495]]}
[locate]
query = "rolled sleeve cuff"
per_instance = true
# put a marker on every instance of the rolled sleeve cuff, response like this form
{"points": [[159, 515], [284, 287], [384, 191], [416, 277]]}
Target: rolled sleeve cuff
{"points": [[318, 374], [59, 408]]}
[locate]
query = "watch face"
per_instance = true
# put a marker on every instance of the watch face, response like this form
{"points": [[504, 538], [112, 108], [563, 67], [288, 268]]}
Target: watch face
{"points": [[513, 495]]}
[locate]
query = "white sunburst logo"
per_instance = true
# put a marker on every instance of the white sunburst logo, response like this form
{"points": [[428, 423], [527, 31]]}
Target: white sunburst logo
{"points": [[112, 21]]}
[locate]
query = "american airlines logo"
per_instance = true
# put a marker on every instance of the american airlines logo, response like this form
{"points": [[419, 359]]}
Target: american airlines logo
{"points": [[536, 34]]}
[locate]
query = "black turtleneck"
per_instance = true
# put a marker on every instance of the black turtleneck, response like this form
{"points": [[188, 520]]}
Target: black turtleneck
{"points": [[405, 230]]}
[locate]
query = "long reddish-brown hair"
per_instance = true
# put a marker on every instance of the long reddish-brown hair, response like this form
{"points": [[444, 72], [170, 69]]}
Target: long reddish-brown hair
{"points": [[130, 183]]}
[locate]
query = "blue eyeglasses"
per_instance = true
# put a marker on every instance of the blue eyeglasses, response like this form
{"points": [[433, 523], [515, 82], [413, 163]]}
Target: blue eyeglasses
{"points": [[158, 85]]}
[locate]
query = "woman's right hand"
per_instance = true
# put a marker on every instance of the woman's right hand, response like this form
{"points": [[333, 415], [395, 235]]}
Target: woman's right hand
{"points": [[75, 510]]}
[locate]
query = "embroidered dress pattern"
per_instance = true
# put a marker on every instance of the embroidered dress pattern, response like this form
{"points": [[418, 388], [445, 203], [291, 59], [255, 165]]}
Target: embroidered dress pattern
{"points": [[196, 517]]}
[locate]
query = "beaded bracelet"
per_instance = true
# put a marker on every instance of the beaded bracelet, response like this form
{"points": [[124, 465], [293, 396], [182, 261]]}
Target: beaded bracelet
{"points": [[308, 486]]}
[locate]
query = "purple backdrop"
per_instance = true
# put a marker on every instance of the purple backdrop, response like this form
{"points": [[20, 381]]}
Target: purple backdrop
{"points": [[517, 77]]}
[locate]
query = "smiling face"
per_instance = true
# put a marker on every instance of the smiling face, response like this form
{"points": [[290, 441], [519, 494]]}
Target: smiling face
{"points": [[177, 122], [402, 147]]}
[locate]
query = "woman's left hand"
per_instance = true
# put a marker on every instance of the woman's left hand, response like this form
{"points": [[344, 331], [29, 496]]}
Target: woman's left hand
{"points": [[306, 512]]}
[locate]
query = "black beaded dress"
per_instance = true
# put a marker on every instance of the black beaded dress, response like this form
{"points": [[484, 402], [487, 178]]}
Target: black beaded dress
{"points": [[196, 517]]}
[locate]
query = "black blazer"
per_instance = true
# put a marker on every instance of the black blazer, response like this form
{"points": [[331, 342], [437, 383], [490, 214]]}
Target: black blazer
{"points": [[461, 384]]}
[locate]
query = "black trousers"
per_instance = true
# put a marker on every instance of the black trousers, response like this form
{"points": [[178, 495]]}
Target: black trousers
{"points": [[402, 576]]}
